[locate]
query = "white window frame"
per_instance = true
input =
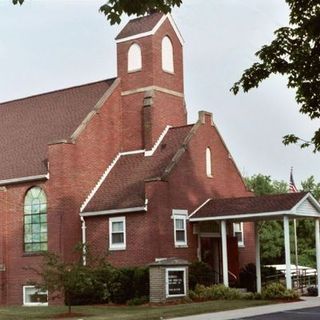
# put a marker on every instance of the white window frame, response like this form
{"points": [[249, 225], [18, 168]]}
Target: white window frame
{"points": [[167, 57], [134, 58], [183, 215], [117, 246], [209, 162], [184, 282], [240, 243], [25, 303]]}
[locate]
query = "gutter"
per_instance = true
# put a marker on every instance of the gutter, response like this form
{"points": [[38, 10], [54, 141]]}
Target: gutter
{"points": [[115, 211], [24, 179]]}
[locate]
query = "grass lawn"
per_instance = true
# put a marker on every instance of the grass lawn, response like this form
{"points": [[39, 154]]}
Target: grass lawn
{"points": [[125, 312]]}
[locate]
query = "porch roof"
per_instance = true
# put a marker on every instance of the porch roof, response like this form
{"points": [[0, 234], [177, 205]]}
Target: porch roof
{"points": [[300, 204]]}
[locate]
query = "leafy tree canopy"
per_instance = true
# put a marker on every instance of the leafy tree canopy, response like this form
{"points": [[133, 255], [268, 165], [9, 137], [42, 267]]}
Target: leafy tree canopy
{"points": [[295, 53], [113, 9], [271, 232]]}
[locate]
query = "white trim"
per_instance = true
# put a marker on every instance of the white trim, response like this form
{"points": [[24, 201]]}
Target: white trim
{"points": [[113, 211], [149, 153], [154, 30], [184, 269], [33, 303], [117, 246], [243, 216], [182, 215], [150, 88], [312, 200], [104, 176], [196, 210], [25, 179]]}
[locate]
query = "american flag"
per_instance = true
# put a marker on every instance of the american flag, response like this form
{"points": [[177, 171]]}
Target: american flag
{"points": [[292, 186]]}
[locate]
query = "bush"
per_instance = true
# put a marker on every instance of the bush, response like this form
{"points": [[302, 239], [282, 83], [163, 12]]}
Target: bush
{"points": [[278, 291], [129, 283], [200, 273], [215, 292]]}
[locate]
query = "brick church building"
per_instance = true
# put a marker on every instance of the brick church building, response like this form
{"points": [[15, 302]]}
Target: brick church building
{"points": [[114, 164]]}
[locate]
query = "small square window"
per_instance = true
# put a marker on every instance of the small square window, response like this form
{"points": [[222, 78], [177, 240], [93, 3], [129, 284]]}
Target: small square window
{"points": [[117, 233], [34, 297]]}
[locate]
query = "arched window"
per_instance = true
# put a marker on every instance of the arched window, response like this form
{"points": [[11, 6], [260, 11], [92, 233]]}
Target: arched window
{"points": [[208, 162], [167, 55], [35, 221], [134, 58]]}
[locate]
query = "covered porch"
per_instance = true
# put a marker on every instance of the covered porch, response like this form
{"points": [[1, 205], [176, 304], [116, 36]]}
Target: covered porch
{"points": [[284, 207]]}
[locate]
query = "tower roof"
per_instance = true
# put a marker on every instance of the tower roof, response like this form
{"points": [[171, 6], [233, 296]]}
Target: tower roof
{"points": [[140, 25]]}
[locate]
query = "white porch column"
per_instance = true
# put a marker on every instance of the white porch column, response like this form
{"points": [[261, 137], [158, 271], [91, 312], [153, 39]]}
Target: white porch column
{"points": [[224, 253], [317, 237], [287, 251], [258, 263]]}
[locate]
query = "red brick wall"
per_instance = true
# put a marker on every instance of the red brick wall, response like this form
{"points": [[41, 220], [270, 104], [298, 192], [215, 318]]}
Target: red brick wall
{"points": [[166, 108], [74, 171], [151, 235]]}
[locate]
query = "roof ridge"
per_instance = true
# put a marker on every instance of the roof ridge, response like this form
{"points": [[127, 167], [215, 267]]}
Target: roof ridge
{"points": [[57, 90]]}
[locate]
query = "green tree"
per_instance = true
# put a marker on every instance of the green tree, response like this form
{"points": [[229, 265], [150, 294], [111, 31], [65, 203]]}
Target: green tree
{"points": [[294, 53], [270, 232], [74, 281], [113, 9]]}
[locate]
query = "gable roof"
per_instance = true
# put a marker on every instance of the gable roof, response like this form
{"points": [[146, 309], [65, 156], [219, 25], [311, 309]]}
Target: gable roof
{"points": [[140, 25], [146, 26], [242, 207], [124, 186], [28, 125]]}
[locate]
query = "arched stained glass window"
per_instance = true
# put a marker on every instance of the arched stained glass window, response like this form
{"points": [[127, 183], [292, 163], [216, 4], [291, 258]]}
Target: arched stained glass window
{"points": [[35, 221]]}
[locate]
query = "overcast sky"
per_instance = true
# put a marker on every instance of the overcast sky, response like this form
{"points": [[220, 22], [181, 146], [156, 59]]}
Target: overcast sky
{"points": [[52, 44]]}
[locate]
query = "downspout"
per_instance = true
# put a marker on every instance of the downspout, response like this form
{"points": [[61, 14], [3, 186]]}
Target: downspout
{"points": [[84, 249]]}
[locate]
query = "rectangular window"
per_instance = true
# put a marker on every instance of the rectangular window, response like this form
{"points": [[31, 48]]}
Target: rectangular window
{"points": [[176, 282], [34, 297], [180, 227], [117, 233], [238, 232]]}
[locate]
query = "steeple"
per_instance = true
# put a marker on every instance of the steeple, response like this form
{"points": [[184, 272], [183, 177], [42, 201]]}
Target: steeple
{"points": [[150, 65]]}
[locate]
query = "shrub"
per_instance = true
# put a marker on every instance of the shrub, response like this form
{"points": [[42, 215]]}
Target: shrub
{"points": [[200, 273], [129, 283], [278, 291], [215, 292]]}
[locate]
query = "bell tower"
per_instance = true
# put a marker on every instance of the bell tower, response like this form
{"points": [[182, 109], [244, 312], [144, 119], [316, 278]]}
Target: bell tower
{"points": [[150, 66]]}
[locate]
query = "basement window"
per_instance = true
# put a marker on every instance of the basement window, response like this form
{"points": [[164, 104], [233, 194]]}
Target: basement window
{"points": [[34, 297], [117, 233]]}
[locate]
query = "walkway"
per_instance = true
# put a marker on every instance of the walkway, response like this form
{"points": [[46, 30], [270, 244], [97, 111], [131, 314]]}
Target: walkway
{"points": [[308, 302]]}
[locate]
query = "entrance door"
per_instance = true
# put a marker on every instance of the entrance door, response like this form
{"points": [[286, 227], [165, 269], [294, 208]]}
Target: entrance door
{"points": [[211, 254]]}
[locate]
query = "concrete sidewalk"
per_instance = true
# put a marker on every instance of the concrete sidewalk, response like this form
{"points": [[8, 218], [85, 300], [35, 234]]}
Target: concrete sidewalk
{"points": [[308, 302]]}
